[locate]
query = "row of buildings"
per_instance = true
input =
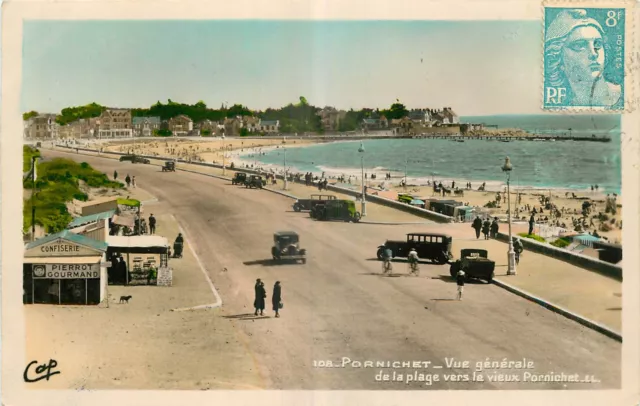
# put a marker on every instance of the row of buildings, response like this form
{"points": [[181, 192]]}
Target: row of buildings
{"points": [[119, 123]]}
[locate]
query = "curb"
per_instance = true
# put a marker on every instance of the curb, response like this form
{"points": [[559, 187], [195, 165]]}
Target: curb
{"points": [[564, 312], [393, 223]]}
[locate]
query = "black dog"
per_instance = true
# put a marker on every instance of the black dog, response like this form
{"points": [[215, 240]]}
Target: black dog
{"points": [[124, 299]]}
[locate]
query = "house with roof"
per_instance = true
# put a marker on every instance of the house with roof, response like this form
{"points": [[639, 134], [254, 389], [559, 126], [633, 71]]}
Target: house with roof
{"points": [[331, 117], [145, 126], [269, 126], [95, 226], [65, 268], [251, 123], [180, 125], [41, 127], [114, 123]]}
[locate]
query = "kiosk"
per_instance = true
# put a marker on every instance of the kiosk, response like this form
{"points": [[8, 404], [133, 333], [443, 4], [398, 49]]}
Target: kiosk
{"points": [[65, 268]]}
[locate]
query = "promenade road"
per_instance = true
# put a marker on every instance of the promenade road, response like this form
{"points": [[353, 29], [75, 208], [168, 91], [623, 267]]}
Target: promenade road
{"points": [[338, 307]]}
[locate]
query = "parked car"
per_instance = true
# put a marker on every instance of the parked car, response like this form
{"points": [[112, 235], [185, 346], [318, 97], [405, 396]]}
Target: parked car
{"points": [[169, 166], [475, 263], [338, 209], [239, 178], [430, 246], [286, 246], [307, 204], [255, 181], [135, 159]]}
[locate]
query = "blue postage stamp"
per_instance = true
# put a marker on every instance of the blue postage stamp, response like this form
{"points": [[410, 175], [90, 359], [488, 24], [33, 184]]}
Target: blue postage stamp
{"points": [[584, 52]]}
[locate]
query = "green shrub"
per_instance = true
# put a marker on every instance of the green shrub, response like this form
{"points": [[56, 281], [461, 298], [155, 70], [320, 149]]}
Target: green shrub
{"points": [[560, 243], [58, 183], [532, 236]]}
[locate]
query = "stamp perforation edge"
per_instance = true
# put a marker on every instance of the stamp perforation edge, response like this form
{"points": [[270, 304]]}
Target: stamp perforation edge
{"points": [[631, 57]]}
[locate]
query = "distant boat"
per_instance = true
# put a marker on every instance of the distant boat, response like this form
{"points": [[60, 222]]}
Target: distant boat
{"points": [[459, 140], [505, 140]]}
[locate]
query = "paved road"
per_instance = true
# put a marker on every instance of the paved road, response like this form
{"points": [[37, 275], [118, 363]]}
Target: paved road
{"points": [[337, 306]]}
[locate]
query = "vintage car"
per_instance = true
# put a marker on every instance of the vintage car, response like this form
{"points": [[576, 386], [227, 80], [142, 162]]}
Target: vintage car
{"points": [[337, 209], [135, 159], [475, 264], [307, 204], [286, 246], [255, 181], [169, 166], [239, 178], [432, 246]]}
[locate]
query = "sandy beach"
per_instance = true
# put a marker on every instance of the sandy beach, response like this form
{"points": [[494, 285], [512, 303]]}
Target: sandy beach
{"points": [[243, 152]]}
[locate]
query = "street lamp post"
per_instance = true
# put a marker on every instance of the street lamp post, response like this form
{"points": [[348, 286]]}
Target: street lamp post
{"points": [[364, 202], [511, 255], [285, 168]]}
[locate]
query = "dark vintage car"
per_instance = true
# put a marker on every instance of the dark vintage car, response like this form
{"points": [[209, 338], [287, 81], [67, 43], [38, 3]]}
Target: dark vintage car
{"points": [[135, 159], [432, 246], [337, 209], [475, 264], [286, 246], [255, 181], [239, 178], [169, 166], [308, 204]]}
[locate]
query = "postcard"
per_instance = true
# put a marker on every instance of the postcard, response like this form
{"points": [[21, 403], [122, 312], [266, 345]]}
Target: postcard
{"points": [[320, 202]]}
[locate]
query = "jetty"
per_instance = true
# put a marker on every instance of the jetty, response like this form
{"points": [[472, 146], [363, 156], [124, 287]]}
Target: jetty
{"points": [[452, 137]]}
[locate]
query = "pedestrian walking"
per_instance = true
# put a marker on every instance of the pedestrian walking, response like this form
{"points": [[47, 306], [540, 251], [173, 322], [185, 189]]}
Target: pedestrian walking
{"points": [[133, 181], [460, 277], [115, 175], [518, 248], [486, 226], [128, 180], [261, 294], [532, 222], [152, 224], [276, 299], [494, 228], [477, 225]]}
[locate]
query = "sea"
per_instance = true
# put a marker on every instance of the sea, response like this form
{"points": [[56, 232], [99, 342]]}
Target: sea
{"points": [[565, 165]]}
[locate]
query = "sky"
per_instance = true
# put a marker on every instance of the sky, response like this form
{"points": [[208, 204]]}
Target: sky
{"points": [[475, 67]]}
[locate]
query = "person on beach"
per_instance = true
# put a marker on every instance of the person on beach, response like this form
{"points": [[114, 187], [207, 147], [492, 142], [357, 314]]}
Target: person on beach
{"points": [[128, 180], [460, 277], [115, 175], [260, 295], [532, 223], [494, 228], [486, 226], [477, 225], [276, 299]]}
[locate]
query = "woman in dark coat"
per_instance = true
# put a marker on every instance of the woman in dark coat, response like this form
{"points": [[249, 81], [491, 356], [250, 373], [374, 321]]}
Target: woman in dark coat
{"points": [[494, 228], [276, 298], [486, 226], [261, 293], [477, 225]]}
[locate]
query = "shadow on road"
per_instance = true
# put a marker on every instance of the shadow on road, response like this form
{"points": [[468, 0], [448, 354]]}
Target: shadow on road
{"points": [[444, 300], [246, 316], [270, 262], [615, 308]]}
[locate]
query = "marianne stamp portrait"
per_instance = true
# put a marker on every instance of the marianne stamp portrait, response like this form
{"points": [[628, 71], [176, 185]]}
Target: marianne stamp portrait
{"points": [[584, 58]]}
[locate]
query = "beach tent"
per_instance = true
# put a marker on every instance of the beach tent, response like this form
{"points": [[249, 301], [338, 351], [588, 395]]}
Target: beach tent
{"points": [[417, 202], [586, 239]]}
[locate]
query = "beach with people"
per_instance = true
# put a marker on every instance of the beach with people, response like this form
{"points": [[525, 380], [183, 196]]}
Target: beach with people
{"points": [[557, 211]]}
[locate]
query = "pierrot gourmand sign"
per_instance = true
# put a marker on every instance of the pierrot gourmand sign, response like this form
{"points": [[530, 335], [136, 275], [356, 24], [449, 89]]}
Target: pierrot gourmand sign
{"points": [[66, 271]]}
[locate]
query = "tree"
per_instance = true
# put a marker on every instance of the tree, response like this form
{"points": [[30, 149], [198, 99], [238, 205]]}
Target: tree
{"points": [[396, 111], [29, 115]]}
